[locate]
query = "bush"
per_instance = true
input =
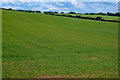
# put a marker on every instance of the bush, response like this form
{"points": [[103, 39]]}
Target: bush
{"points": [[63, 15], [99, 18], [77, 16], [69, 16]]}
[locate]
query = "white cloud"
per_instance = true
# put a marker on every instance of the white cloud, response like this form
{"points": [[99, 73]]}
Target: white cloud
{"points": [[78, 4], [52, 8], [17, 8], [29, 5], [64, 8], [98, 7], [13, 3], [18, 3], [49, 6], [37, 8], [59, 0], [64, 11], [12, 7], [81, 5], [59, 4]]}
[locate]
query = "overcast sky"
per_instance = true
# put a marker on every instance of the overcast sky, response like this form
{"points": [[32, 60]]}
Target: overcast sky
{"points": [[82, 6]]}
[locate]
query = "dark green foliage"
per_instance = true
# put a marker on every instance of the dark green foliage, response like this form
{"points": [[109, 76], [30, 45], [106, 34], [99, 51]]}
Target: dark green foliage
{"points": [[101, 13], [99, 18], [55, 12], [62, 12], [10, 9], [21, 10], [38, 11], [72, 12]]}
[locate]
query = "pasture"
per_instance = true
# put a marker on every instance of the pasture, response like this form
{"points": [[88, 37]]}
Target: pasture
{"points": [[106, 17], [39, 46]]}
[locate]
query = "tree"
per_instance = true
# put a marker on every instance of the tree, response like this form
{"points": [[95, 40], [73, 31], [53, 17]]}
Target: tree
{"points": [[10, 9], [28, 11], [38, 11], [79, 13], [92, 13], [31, 11], [20, 10], [101, 13], [48, 12], [110, 14], [55, 12], [117, 14], [86, 13], [62, 12], [72, 12]]}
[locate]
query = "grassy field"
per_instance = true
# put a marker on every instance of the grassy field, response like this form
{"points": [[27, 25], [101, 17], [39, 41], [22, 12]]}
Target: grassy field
{"points": [[103, 16], [39, 46]]}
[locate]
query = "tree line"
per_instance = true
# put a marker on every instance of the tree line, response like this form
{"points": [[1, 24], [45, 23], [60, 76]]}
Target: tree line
{"points": [[81, 17], [108, 13], [29, 11], [49, 12], [78, 15]]}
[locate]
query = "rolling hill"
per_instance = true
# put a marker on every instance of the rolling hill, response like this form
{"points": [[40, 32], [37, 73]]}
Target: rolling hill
{"points": [[39, 45]]}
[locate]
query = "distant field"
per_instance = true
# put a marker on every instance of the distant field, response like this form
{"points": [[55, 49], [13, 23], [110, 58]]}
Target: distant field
{"points": [[39, 46], [103, 16]]}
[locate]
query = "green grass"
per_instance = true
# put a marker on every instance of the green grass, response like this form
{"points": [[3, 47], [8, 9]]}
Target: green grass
{"points": [[103, 16], [38, 45]]}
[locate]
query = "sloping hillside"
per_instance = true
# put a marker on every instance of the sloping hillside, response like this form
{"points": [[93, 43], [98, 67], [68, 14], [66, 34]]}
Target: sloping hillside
{"points": [[38, 45]]}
